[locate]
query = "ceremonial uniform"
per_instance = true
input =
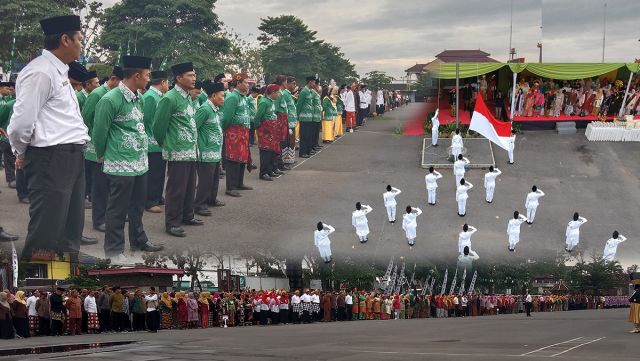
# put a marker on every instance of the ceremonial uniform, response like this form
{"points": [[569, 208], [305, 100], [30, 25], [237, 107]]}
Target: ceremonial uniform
{"points": [[464, 239], [322, 241], [456, 145], [289, 145], [82, 97], [409, 225], [282, 116], [328, 119], [531, 203], [611, 247], [462, 196], [513, 230], [390, 203], [490, 183], [120, 139], [235, 124], [435, 125], [210, 140], [6, 109], [458, 168], [316, 118], [360, 222], [268, 127], [157, 165], [305, 109], [573, 232], [431, 181], [338, 119], [512, 146], [350, 109], [175, 131]]}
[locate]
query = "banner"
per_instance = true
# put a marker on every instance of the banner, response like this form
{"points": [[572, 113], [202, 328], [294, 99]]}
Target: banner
{"points": [[14, 265]]}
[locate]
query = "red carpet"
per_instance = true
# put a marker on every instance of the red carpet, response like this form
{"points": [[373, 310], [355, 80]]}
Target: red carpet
{"points": [[415, 126]]}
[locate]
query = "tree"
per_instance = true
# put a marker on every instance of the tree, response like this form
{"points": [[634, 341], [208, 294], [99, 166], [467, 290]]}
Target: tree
{"points": [[377, 79], [192, 261], [23, 16], [242, 56], [82, 279], [168, 31], [290, 47], [152, 259]]}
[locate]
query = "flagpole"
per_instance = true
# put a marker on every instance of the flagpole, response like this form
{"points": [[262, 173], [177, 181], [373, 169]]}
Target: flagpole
{"points": [[457, 95], [604, 28], [513, 93], [626, 93]]}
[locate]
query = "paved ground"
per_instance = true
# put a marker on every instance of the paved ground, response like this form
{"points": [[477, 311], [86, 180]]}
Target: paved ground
{"points": [[600, 180], [577, 335]]}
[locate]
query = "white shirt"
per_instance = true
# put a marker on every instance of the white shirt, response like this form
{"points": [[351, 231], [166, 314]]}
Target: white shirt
{"points": [[490, 178], [431, 179], [467, 261], [456, 141], [315, 298], [305, 298], [528, 299], [611, 247], [368, 96], [514, 225], [295, 299], [363, 100], [359, 217], [532, 198], [435, 122], [349, 102], [461, 191], [31, 306], [390, 197], [464, 238], [90, 304], [46, 111], [512, 142], [458, 166], [154, 302], [321, 238], [409, 219], [574, 226], [348, 300], [380, 98]]}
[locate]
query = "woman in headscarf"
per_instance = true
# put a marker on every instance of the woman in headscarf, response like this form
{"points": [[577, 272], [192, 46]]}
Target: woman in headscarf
{"points": [[183, 315], [204, 308], [231, 309], [634, 311], [192, 310], [19, 308], [6, 318], [166, 308], [212, 316]]}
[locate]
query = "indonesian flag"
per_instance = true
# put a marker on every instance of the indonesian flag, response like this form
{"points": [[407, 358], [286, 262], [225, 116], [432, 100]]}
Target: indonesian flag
{"points": [[484, 123]]}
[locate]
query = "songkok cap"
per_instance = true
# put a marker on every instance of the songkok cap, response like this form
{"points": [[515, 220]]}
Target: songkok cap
{"points": [[311, 78], [240, 77], [117, 71], [180, 69], [256, 89], [219, 77], [211, 87], [90, 75], [198, 84], [159, 75], [60, 289], [291, 79], [60, 24], [77, 71], [136, 62], [7, 83], [271, 88]]}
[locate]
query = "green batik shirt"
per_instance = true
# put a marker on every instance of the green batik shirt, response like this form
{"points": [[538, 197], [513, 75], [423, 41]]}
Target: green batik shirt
{"points": [[119, 135], [317, 107], [251, 106], [328, 109], [174, 127], [305, 105], [236, 110], [339, 106], [291, 108], [202, 98], [6, 110], [209, 133], [82, 98], [266, 111], [151, 99], [88, 113], [281, 104]]}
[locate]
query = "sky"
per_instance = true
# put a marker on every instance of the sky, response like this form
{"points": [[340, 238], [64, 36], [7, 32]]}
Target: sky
{"points": [[392, 35]]}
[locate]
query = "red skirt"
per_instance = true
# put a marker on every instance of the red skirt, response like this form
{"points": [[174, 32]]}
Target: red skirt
{"points": [[236, 142], [283, 126], [34, 323], [269, 135], [93, 322]]}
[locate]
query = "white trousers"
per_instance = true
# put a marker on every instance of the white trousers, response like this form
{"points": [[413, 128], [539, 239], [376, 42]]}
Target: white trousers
{"points": [[325, 252], [531, 213], [434, 136], [514, 238], [490, 190], [431, 196], [458, 178], [510, 151], [572, 240], [462, 206], [410, 232], [391, 213], [456, 151]]}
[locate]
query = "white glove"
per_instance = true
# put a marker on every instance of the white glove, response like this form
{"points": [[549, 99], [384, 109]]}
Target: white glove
{"points": [[290, 131]]}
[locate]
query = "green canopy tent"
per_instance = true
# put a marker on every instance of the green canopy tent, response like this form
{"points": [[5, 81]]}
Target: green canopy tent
{"points": [[559, 71]]}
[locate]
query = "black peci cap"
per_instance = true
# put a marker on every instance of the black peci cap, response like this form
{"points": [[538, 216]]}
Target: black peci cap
{"points": [[60, 24], [180, 69], [213, 87], [117, 71], [77, 71], [136, 62], [159, 75]]}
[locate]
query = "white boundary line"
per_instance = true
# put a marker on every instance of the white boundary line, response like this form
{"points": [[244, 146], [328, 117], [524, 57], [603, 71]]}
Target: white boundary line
{"points": [[318, 152], [546, 347], [580, 345]]}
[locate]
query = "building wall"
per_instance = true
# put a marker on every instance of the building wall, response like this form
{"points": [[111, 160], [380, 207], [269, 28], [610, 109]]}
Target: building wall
{"points": [[58, 270], [266, 283]]}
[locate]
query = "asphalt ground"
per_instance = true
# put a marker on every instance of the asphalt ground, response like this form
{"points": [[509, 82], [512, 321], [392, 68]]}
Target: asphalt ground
{"points": [[574, 335], [598, 179]]}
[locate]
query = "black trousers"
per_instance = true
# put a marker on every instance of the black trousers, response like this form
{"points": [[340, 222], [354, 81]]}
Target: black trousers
{"points": [[155, 179], [306, 137], [153, 320], [380, 109], [527, 306], [99, 196], [21, 184], [44, 326], [88, 177], [208, 183], [105, 320], [138, 322], [341, 313], [117, 321], [267, 161], [9, 161], [235, 174], [316, 134], [127, 195], [56, 328], [179, 193], [350, 312], [55, 180]]}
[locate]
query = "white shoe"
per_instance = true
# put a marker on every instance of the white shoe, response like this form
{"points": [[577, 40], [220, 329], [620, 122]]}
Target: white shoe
{"points": [[121, 260]]}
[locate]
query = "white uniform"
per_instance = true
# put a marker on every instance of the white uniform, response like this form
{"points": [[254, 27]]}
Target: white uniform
{"points": [[456, 145], [611, 247], [512, 146], [360, 222], [573, 232], [435, 124], [431, 181], [513, 230], [322, 241], [458, 169], [532, 204], [461, 197], [390, 203], [490, 183], [409, 225], [464, 239], [467, 261]]}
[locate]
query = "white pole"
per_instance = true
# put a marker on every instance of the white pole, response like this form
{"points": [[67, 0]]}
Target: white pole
{"points": [[513, 93], [626, 93], [604, 28], [510, 30], [457, 95]]}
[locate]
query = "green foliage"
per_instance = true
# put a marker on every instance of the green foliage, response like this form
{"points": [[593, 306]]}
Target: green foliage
{"points": [[377, 79], [290, 47], [171, 31], [82, 279]]}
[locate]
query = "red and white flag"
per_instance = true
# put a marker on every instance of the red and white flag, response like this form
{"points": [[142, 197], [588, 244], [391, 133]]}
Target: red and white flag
{"points": [[486, 124]]}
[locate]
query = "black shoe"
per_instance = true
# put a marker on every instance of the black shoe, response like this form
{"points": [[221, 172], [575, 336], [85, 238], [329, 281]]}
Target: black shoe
{"points": [[266, 177], [176, 231], [278, 172], [245, 188], [148, 247], [7, 237], [305, 156], [489, 201], [274, 175], [434, 145], [24, 200], [312, 152], [529, 222], [87, 241], [193, 222], [203, 212], [101, 228], [233, 193]]}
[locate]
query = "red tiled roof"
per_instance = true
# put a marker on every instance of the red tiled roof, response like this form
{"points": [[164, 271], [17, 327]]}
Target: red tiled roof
{"points": [[465, 56], [132, 270], [415, 68]]}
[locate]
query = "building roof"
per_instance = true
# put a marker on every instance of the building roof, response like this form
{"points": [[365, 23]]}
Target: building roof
{"points": [[560, 286], [418, 68], [465, 56], [136, 270]]}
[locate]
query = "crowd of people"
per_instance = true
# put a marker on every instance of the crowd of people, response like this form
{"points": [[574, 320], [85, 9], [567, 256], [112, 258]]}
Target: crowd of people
{"points": [[112, 309], [139, 139]]}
